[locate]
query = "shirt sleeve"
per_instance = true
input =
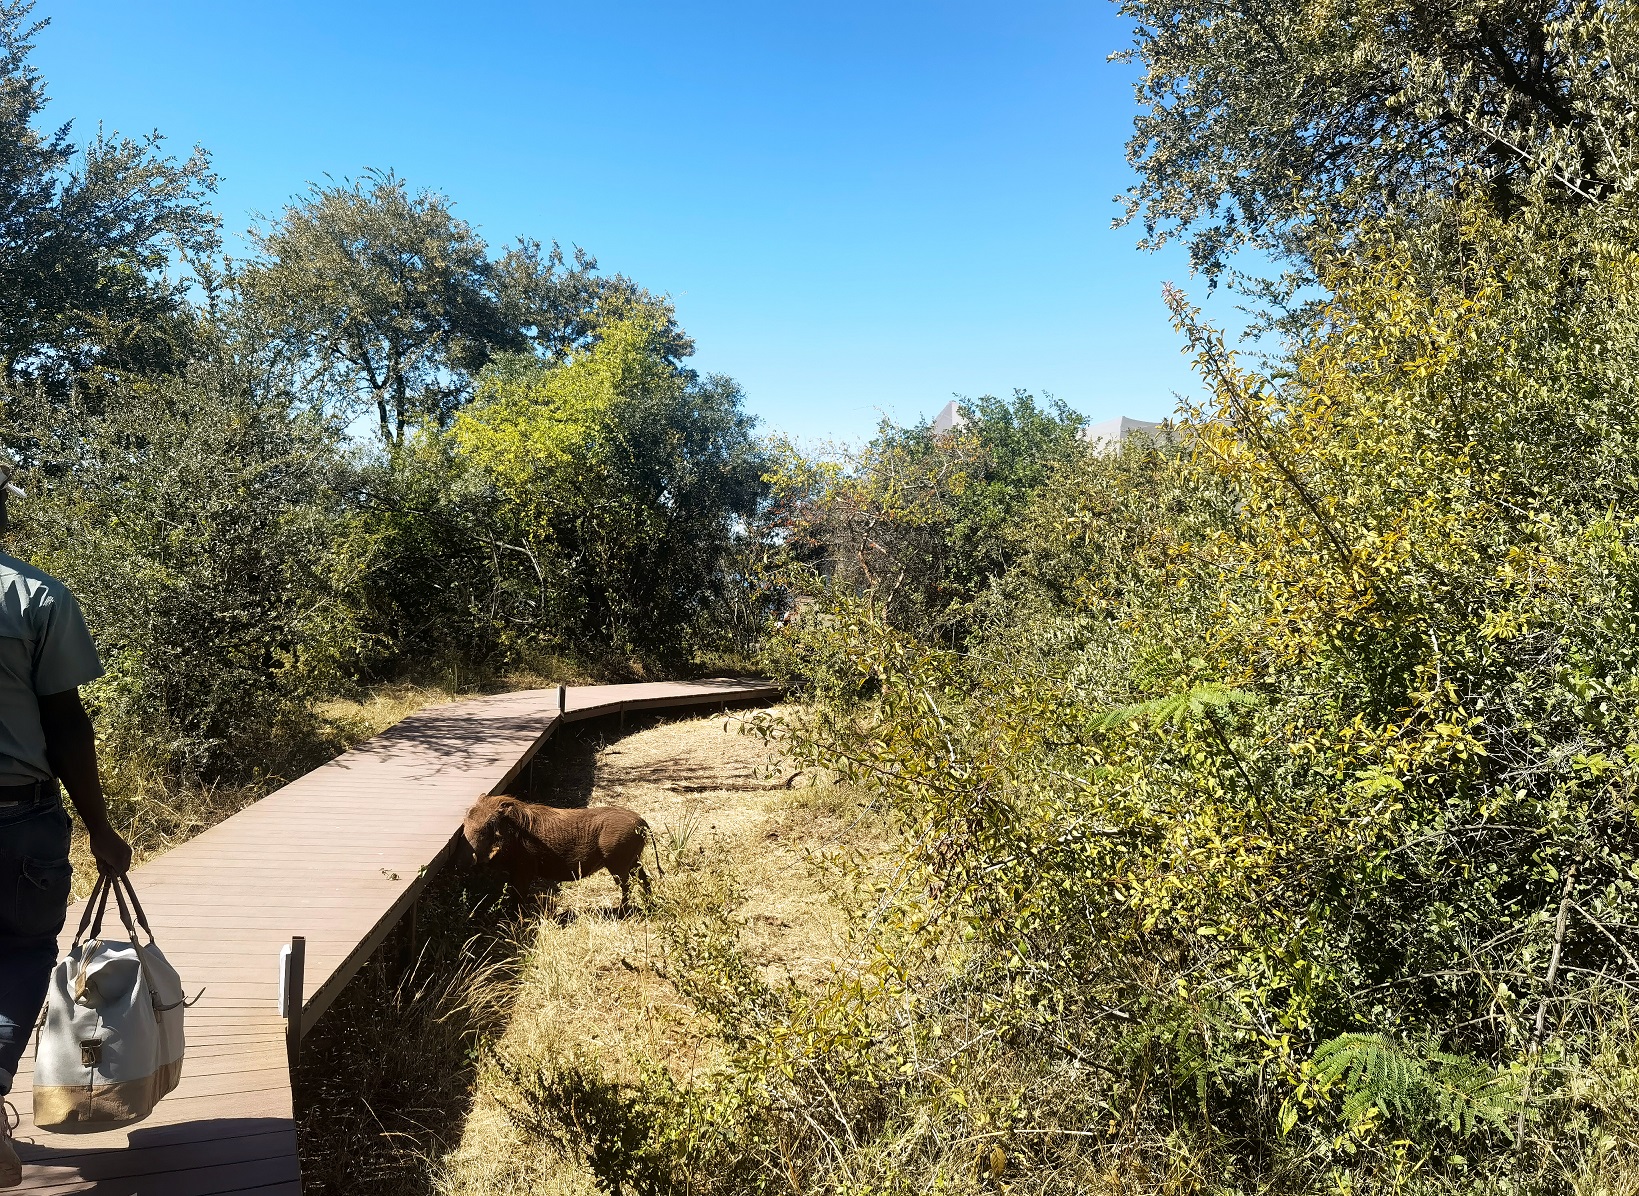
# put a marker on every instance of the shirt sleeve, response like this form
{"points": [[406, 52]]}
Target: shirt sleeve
{"points": [[64, 657]]}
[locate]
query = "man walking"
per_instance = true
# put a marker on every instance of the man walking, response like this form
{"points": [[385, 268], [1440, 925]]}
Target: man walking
{"points": [[46, 654]]}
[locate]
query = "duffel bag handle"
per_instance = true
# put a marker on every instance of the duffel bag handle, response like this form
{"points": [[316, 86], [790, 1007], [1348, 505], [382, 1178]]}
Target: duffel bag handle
{"points": [[96, 906], [122, 887]]}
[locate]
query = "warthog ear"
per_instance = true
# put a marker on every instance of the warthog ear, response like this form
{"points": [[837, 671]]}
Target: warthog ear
{"points": [[507, 821]]}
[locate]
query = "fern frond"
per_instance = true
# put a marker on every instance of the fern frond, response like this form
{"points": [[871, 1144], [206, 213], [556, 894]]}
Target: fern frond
{"points": [[1419, 1086], [1466, 1091], [1179, 708]]}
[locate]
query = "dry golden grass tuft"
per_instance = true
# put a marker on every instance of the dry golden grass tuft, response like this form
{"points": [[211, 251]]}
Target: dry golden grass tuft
{"points": [[593, 986], [382, 707]]}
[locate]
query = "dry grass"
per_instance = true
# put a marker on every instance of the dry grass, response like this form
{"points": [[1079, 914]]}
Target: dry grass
{"points": [[592, 985], [383, 706], [384, 1081]]}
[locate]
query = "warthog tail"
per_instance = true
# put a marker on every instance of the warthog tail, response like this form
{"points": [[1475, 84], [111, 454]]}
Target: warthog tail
{"points": [[648, 833]]}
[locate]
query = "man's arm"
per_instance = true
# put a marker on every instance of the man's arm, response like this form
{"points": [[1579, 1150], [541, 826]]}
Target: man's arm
{"points": [[71, 747]]}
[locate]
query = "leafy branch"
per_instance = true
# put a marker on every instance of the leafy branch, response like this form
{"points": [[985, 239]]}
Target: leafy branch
{"points": [[1422, 1086]]}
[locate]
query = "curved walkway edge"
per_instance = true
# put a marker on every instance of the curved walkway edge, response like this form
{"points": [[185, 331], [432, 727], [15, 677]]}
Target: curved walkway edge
{"points": [[337, 857]]}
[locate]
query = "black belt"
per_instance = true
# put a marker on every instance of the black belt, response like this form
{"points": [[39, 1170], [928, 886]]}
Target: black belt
{"points": [[29, 794]]}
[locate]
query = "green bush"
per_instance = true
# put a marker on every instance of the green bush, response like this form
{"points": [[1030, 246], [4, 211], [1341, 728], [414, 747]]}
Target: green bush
{"points": [[621, 486], [197, 523], [922, 523], [436, 594]]}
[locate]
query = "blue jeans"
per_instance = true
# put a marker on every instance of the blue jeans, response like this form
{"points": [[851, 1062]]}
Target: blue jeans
{"points": [[35, 879]]}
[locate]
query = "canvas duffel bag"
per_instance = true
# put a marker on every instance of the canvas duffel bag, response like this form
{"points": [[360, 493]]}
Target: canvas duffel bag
{"points": [[111, 1042]]}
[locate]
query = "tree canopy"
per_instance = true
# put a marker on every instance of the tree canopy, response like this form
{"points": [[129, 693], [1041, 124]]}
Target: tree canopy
{"points": [[1256, 122], [926, 522], [384, 301], [248, 470], [623, 479], [93, 241]]}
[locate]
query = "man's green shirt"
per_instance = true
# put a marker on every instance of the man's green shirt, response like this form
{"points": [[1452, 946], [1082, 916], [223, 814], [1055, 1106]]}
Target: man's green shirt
{"points": [[45, 648]]}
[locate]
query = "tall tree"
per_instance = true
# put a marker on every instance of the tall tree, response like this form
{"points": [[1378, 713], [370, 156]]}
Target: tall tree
{"points": [[385, 301], [620, 481], [1259, 120], [88, 238], [385, 297], [202, 526]]}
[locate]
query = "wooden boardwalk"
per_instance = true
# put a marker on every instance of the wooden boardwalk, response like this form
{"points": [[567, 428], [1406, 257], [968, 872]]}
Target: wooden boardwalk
{"points": [[337, 856]]}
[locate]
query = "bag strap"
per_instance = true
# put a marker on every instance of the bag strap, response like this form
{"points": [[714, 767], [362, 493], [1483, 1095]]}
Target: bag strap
{"points": [[122, 887], [97, 904], [124, 880], [94, 907], [125, 911]]}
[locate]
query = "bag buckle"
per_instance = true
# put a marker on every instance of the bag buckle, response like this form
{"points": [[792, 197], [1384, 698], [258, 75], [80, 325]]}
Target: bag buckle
{"points": [[90, 1052]]}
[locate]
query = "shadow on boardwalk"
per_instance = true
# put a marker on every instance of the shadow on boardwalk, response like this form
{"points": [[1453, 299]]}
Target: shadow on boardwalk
{"points": [[441, 741], [214, 1154]]}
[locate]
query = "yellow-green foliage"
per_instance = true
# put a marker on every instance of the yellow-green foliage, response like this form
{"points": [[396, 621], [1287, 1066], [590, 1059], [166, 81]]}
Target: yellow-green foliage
{"points": [[535, 430], [620, 481], [1239, 829]]}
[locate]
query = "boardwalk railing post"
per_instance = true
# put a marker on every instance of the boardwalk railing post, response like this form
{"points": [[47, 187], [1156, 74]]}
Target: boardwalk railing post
{"points": [[290, 999], [563, 698], [409, 937]]}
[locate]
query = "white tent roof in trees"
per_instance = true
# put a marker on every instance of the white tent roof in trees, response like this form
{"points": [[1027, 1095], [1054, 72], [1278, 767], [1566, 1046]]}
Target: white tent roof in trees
{"points": [[950, 418], [1109, 434]]}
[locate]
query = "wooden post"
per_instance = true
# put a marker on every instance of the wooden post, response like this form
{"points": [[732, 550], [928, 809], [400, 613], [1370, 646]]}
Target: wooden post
{"points": [[295, 965], [412, 932]]}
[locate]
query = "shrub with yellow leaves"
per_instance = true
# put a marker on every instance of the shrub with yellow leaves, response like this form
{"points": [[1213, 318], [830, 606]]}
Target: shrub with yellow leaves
{"points": [[1273, 826]]}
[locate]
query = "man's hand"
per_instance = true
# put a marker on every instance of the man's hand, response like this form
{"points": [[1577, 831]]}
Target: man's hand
{"points": [[110, 850]]}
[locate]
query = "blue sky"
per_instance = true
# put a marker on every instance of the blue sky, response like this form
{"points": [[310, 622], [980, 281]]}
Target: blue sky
{"points": [[858, 208]]}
